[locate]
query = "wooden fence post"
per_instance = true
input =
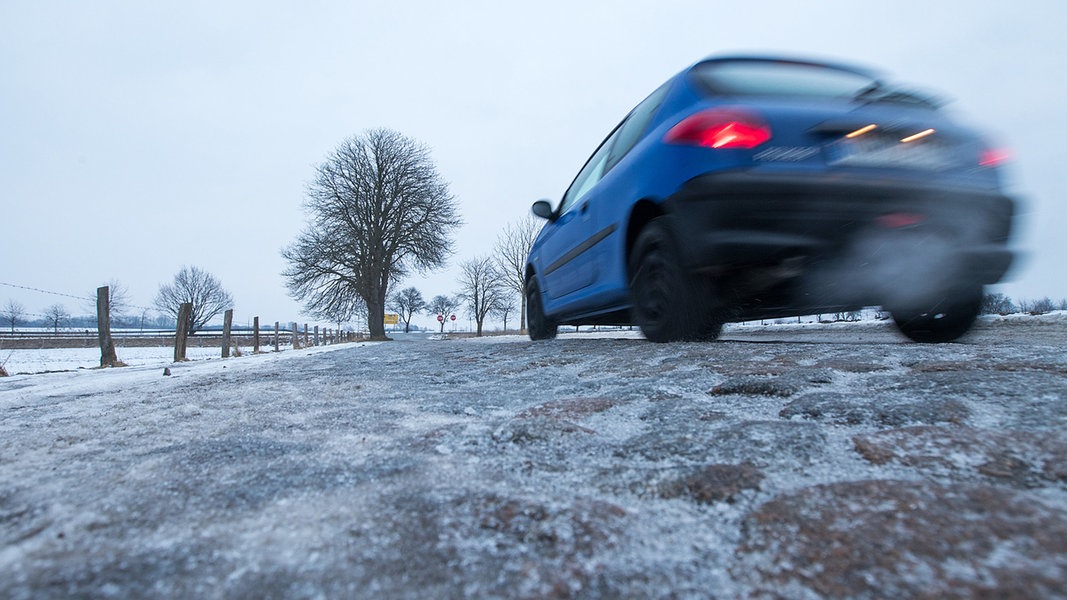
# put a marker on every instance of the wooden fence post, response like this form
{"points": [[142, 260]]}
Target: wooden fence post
{"points": [[227, 324], [296, 337], [306, 340], [103, 328], [255, 335], [316, 335], [181, 334], [276, 337]]}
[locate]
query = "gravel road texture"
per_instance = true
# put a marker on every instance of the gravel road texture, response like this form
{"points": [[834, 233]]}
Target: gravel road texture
{"points": [[778, 462]]}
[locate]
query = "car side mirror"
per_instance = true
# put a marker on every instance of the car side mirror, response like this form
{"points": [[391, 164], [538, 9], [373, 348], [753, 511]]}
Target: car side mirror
{"points": [[543, 209]]}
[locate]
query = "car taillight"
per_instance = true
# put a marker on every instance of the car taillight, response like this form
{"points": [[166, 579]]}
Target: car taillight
{"points": [[720, 128], [994, 157]]}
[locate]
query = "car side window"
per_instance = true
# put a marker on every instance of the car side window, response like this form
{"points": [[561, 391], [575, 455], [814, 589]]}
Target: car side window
{"points": [[634, 126], [590, 173]]}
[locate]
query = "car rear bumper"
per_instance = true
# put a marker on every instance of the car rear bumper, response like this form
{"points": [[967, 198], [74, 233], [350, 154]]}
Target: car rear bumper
{"points": [[842, 229]]}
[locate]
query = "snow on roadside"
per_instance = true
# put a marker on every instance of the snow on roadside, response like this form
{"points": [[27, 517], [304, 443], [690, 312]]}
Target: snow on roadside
{"points": [[20, 362], [46, 360], [26, 362]]}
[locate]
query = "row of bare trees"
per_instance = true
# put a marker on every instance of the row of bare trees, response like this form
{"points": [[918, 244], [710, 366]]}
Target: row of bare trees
{"points": [[1001, 304], [488, 284], [192, 285], [377, 211]]}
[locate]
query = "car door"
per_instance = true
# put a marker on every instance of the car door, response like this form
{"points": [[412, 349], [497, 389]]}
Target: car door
{"points": [[569, 246], [574, 256]]}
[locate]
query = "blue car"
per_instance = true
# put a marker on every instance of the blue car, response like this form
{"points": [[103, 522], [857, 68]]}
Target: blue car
{"points": [[754, 187]]}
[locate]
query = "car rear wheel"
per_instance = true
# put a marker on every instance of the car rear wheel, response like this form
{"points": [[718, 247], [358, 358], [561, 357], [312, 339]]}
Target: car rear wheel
{"points": [[539, 326], [668, 303], [945, 322]]}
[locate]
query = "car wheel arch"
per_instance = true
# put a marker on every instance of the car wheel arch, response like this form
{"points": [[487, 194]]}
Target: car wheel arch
{"points": [[643, 212], [530, 274]]}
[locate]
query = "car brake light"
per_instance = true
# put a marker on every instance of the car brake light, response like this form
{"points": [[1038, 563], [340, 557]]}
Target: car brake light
{"points": [[899, 220], [720, 128], [994, 157]]}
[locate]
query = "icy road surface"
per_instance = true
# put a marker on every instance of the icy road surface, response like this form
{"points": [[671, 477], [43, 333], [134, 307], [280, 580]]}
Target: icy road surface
{"points": [[807, 463]]}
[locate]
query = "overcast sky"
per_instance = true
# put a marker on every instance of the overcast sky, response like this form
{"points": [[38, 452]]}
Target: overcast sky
{"points": [[138, 137]]}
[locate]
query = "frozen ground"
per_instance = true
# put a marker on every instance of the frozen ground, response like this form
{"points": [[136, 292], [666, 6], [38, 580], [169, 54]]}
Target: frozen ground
{"points": [[28, 362], [49, 360], [796, 462]]}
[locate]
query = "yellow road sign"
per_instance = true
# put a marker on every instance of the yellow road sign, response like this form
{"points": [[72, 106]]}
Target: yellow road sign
{"points": [[392, 318]]}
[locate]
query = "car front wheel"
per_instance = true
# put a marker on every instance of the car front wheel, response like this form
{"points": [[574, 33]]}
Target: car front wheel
{"points": [[539, 326]]}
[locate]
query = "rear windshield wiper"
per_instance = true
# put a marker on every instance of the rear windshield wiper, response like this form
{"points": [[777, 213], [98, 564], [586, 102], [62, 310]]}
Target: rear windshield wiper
{"points": [[870, 92], [880, 92]]}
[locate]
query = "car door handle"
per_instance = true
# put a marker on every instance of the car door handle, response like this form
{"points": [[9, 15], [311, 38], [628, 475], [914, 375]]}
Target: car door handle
{"points": [[585, 208]]}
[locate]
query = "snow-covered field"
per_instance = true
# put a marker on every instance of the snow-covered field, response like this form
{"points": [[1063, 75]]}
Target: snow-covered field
{"points": [[69, 359], [793, 461]]}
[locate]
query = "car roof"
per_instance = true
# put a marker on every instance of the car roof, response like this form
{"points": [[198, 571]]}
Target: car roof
{"points": [[796, 60]]}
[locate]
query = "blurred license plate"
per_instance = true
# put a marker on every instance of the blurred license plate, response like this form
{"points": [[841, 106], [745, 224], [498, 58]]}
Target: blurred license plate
{"points": [[887, 151]]}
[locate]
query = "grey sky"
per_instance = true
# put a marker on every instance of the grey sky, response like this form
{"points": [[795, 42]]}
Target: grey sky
{"points": [[139, 137]]}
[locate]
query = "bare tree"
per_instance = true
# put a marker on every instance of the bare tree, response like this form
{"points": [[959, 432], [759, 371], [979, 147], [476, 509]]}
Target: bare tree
{"points": [[1037, 307], [481, 288], [13, 313], [56, 315], [144, 317], [199, 288], [505, 307], [852, 315], [407, 302], [997, 304], [118, 299], [443, 306], [378, 209], [512, 248]]}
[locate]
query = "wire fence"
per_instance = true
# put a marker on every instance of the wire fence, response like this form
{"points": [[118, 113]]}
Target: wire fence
{"points": [[109, 339], [268, 338]]}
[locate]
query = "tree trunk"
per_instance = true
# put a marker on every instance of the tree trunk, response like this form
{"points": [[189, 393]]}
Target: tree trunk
{"points": [[181, 332], [376, 321], [103, 329], [227, 324], [376, 314]]}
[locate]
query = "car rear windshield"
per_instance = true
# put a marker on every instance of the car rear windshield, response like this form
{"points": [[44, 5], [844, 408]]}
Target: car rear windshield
{"points": [[780, 78]]}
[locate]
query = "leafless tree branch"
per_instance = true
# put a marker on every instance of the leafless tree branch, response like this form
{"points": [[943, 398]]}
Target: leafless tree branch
{"points": [[407, 302], [198, 287], [512, 248], [377, 210], [481, 287]]}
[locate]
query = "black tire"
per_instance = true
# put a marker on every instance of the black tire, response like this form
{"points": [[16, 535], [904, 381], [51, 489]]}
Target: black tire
{"points": [[669, 304], [538, 325], [947, 321]]}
